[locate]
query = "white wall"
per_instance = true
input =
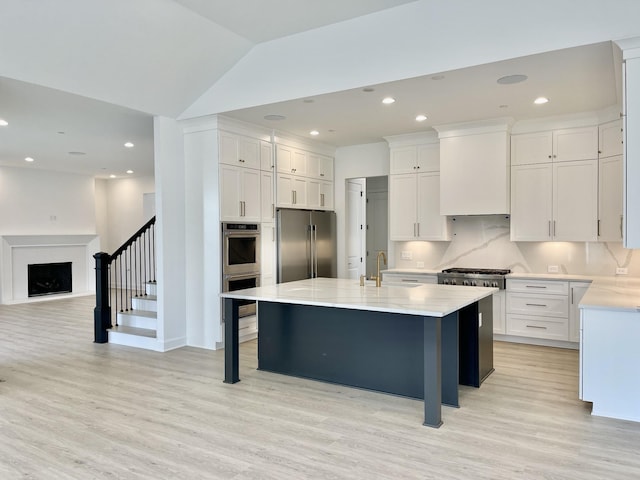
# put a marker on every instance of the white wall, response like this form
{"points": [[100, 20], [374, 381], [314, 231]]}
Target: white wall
{"points": [[124, 204], [35, 202], [170, 232], [356, 161]]}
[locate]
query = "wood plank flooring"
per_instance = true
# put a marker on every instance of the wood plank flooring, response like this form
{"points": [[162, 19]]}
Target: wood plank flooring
{"points": [[72, 409]]}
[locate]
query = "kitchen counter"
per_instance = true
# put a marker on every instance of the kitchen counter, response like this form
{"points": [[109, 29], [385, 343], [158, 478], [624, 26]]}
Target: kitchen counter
{"points": [[561, 277], [412, 271], [613, 293], [425, 300], [418, 341]]}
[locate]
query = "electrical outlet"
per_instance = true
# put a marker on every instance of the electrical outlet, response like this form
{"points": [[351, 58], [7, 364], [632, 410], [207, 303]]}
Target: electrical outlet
{"points": [[552, 269], [622, 271], [407, 255], [420, 264]]}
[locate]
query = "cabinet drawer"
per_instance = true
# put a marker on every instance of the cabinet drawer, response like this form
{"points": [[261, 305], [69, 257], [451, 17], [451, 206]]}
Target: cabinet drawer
{"points": [[538, 286], [538, 327], [541, 305], [399, 278]]}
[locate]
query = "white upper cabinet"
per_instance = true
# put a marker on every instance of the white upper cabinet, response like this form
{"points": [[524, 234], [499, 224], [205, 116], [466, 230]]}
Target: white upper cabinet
{"points": [[610, 139], [564, 145], [555, 201], [575, 144], [610, 199], [414, 208], [530, 148], [291, 160], [415, 159], [531, 202], [266, 156], [575, 201], [239, 194], [239, 150], [319, 166]]}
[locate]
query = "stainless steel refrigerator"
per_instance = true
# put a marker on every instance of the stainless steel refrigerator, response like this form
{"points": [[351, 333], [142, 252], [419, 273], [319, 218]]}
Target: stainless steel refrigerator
{"points": [[306, 244]]}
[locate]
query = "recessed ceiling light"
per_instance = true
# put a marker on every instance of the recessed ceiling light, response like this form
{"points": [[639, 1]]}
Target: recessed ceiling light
{"points": [[112, 176], [368, 89], [77, 153], [274, 117], [540, 100], [314, 132], [437, 77], [388, 100], [421, 118], [511, 79], [3, 122], [28, 159], [129, 172], [129, 145]]}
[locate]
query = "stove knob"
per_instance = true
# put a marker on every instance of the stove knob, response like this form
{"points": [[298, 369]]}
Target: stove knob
{"points": [[474, 283], [453, 281], [486, 284], [494, 284], [446, 281], [465, 282]]}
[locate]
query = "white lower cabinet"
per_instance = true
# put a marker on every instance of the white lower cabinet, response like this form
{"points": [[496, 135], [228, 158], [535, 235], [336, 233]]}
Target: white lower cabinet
{"points": [[499, 312], [576, 292], [538, 309]]}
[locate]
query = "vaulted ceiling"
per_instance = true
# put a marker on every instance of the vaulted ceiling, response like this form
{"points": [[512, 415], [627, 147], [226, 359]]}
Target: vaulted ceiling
{"points": [[98, 71]]}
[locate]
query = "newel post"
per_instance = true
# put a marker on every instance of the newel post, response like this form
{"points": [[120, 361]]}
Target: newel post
{"points": [[102, 312]]}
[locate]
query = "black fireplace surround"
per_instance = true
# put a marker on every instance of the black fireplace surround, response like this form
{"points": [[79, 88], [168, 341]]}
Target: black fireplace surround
{"points": [[49, 278]]}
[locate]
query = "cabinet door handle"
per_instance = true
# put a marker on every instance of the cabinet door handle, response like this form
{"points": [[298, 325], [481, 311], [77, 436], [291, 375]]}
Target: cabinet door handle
{"points": [[293, 199], [621, 218], [273, 210], [598, 227], [535, 286], [322, 174], [535, 305], [414, 230], [554, 228], [536, 326], [418, 225], [322, 199], [418, 167], [549, 156], [549, 222], [571, 295]]}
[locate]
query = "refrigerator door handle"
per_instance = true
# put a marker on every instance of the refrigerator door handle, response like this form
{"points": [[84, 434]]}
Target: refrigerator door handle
{"points": [[315, 252]]}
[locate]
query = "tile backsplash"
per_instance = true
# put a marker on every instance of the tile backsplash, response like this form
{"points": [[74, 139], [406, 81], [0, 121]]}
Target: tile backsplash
{"points": [[483, 242]]}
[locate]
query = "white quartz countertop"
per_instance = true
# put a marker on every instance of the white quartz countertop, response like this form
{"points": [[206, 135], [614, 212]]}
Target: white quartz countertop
{"points": [[613, 293], [561, 277], [425, 300]]}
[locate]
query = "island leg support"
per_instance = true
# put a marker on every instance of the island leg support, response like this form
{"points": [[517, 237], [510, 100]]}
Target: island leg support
{"points": [[231, 347], [432, 372], [450, 360]]}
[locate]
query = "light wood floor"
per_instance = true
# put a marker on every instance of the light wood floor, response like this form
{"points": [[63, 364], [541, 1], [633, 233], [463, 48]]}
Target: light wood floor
{"points": [[71, 409]]}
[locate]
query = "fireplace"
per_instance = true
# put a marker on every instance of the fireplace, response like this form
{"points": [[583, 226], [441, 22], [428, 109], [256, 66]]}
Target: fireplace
{"points": [[49, 278]]}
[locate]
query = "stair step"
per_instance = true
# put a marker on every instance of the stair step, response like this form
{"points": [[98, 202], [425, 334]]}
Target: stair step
{"points": [[144, 319], [148, 302], [151, 288], [134, 337]]}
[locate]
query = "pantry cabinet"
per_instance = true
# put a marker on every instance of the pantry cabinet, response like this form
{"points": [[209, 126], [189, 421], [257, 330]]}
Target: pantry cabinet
{"points": [[610, 199], [239, 194], [267, 204]]}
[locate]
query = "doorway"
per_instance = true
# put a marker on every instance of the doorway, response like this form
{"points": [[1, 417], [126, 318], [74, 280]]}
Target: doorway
{"points": [[366, 223]]}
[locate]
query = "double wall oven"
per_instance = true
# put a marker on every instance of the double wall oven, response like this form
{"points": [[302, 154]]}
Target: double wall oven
{"points": [[241, 260]]}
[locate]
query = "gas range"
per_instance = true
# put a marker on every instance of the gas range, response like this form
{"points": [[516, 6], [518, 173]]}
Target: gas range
{"points": [[475, 277]]}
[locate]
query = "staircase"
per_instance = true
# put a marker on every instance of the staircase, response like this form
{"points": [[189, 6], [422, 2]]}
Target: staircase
{"points": [[137, 326], [126, 310]]}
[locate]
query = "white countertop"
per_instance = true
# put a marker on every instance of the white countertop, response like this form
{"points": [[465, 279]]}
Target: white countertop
{"points": [[613, 293], [561, 277], [425, 300]]}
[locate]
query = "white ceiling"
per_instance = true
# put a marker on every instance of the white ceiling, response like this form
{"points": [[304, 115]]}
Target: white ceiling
{"points": [[580, 79], [160, 56]]}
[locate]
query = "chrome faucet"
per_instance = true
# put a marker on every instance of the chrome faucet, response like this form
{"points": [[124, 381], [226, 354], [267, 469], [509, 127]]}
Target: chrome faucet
{"points": [[378, 278]]}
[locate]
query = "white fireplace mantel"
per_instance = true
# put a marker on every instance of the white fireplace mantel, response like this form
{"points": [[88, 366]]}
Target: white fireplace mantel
{"points": [[18, 251]]}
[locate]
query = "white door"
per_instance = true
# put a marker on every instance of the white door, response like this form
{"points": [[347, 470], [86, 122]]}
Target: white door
{"points": [[355, 228]]}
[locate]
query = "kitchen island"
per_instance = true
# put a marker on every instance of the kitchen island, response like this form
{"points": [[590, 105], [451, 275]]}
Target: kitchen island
{"points": [[418, 341]]}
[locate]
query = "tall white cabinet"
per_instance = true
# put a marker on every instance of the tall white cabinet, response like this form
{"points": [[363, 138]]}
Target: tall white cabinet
{"points": [[631, 105], [610, 175], [414, 190]]}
